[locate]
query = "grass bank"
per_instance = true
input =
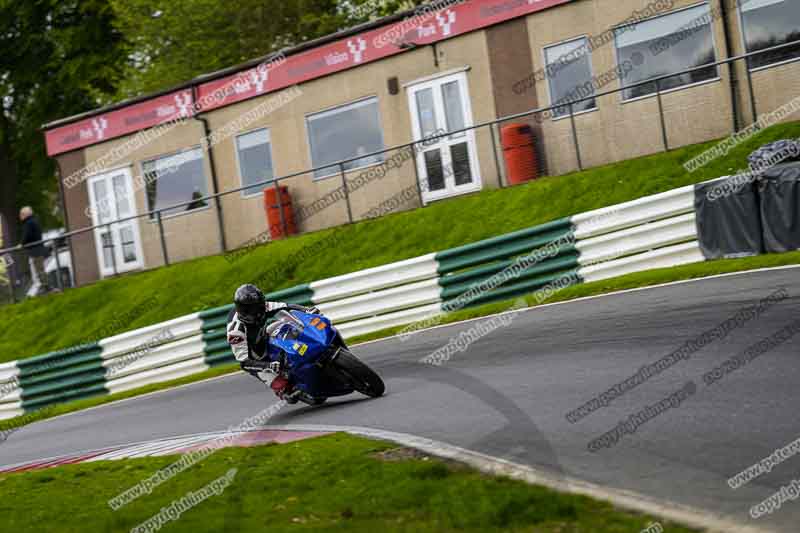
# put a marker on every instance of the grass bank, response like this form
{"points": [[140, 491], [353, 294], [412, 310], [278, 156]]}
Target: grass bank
{"points": [[630, 281], [331, 483], [63, 320]]}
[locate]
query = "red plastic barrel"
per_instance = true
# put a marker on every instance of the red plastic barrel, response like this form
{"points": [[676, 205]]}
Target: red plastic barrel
{"points": [[519, 151], [273, 209]]}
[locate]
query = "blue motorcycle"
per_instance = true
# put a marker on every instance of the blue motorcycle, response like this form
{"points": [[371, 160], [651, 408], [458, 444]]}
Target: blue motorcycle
{"points": [[316, 359]]}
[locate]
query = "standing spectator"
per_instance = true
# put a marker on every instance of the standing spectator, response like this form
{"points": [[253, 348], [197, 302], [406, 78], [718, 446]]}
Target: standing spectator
{"points": [[32, 233]]}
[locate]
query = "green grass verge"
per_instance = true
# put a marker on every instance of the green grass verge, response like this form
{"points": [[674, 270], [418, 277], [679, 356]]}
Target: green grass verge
{"points": [[60, 321], [331, 483], [630, 281]]}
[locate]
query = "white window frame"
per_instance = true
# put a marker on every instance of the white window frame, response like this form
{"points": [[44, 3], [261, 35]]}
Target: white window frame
{"points": [[715, 79], [121, 267], [239, 160], [328, 110], [591, 77], [743, 39], [142, 171], [469, 121]]}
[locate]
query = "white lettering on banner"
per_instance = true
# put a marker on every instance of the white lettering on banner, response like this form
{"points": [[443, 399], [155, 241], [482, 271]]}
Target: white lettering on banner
{"points": [[259, 78], [334, 58], [100, 126], [184, 103], [426, 31], [446, 21], [357, 48], [165, 111]]}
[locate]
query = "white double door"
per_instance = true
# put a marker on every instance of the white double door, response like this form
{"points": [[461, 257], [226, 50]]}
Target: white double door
{"points": [[449, 165], [119, 245]]}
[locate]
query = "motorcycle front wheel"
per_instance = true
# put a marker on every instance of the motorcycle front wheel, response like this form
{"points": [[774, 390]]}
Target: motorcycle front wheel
{"points": [[361, 377]]}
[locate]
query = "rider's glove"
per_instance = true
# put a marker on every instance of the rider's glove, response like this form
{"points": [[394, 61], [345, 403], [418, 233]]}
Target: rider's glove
{"points": [[237, 338]]}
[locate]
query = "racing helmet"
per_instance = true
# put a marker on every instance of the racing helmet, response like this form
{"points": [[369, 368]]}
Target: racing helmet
{"points": [[250, 305]]}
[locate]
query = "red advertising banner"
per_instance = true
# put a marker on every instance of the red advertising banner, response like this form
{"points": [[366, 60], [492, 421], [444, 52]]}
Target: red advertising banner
{"points": [[435, 21], [430, 23], [120, 122]]}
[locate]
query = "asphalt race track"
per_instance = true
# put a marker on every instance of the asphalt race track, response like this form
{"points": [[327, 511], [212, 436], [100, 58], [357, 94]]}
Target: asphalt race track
{"points": [[507, 395]]}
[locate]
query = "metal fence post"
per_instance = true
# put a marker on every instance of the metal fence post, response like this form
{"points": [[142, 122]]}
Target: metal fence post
{"points": [[661, 115], [575, 137], [10, 273], [496, 157], [71, 263], [752, 93], [346, 194], [113, 249], [163, 238], [280, 209], [59, 280], [414, 154]]}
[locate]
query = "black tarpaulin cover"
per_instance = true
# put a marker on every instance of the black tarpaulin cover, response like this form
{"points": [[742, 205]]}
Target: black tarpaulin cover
{"points": [[728, 218], [779, 192]]}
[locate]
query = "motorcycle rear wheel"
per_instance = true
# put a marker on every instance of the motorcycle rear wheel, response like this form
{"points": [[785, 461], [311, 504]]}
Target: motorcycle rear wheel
{"points": [[361, 377]]}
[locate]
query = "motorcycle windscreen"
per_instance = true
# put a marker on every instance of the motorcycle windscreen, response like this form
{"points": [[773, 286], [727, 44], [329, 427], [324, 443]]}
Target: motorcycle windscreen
{"points": [[318, 332]]}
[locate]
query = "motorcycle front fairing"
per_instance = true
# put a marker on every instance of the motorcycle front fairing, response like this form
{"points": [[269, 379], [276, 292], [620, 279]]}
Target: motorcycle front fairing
{"points": [[303, 341]]}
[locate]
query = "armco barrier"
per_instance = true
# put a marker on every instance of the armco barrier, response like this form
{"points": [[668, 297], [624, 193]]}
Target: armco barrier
{"points": [[652, 232], [10, 391]]}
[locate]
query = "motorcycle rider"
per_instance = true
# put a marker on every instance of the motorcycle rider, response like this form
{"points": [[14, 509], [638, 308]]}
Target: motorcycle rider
{"points": [[248, 339]]}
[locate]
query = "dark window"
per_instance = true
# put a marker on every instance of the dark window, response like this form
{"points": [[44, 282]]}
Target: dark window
{"points": [[570, 76], [345, 132], [255, 159], [174, 180], [768, 23], [670, 43]]}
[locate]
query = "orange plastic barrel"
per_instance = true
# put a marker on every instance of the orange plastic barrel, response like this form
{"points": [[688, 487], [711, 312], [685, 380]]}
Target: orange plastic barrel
{"points": [[519, 151], [274, 208]]}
